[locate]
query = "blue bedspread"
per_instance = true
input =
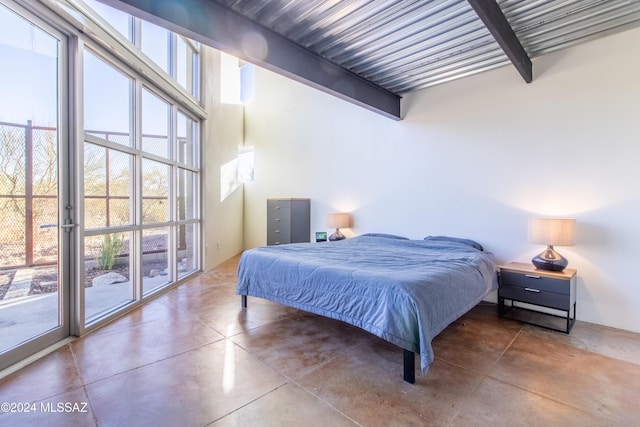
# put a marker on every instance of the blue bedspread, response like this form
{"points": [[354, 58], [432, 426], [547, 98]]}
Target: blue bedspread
{"points": [[404, 291]]}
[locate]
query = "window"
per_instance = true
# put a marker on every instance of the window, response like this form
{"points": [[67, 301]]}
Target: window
{"points": [[154, 42], [119, 20], [155, 124], [155, 192], [104, 88], [176, 55], [230, 89], [109, 214], [107, 187], [141, 188]]}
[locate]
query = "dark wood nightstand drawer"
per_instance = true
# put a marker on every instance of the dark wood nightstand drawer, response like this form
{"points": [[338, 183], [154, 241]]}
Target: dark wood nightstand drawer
{"points": [[535, 281], [524, 284], [536, 296]]}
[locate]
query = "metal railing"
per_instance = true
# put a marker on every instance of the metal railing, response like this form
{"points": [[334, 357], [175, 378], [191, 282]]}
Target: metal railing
{"points": [[29, 193], [28, 183]]}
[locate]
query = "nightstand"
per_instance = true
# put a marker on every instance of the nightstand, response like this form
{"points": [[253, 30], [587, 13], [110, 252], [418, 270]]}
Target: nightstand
{"points": [[524, 283]]}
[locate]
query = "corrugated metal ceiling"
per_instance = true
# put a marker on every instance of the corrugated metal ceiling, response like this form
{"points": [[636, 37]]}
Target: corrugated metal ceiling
{"points": [[405, 45]]}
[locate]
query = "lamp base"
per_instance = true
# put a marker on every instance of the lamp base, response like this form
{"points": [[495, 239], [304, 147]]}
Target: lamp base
{"points": [[336, 236], [550, 260]]}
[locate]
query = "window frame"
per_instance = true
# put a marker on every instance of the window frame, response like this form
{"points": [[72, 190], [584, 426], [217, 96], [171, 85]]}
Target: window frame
{"points": [[137, 227]]}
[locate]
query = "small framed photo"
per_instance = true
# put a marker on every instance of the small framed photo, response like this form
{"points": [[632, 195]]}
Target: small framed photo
{"points": [[321, 236]]}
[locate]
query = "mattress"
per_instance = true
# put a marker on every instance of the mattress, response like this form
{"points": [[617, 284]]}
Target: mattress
{"points": [[403, 291]]}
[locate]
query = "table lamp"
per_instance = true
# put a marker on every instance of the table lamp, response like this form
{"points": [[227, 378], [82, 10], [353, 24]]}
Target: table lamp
{"points": [[551, 232], [337, 220]]}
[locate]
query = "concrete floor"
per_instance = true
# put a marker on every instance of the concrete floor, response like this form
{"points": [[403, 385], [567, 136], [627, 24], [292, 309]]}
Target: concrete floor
{"points": [[24, 316], [193, 357]]}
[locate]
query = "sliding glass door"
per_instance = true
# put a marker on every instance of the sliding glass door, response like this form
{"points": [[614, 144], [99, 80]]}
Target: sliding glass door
{"points": [[35, 208]]}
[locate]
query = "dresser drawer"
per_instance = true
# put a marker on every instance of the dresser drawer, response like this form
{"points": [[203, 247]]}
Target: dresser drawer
{"points": [[278, 223], [278, 204], [278, 229], [278, 214], [534, 281], [535, 296], [277, 236]]}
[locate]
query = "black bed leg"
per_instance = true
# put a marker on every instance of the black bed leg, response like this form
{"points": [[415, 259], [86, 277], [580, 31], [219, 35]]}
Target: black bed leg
{"points": [[409, 367], [244, 301]]}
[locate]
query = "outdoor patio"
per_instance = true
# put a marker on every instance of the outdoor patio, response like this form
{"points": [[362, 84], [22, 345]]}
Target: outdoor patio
{"points": [[23, 316]]}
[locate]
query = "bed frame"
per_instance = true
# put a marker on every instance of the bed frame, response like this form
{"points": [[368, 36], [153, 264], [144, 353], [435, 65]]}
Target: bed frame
{"points": [[409, 358]]}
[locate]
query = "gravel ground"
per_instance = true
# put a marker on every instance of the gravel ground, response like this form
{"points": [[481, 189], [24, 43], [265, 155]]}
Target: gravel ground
{"points": [[43, 277]]}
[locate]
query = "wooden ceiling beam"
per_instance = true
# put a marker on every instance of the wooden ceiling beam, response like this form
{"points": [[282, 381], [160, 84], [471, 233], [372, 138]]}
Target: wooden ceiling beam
{"points": [[491, 15]]}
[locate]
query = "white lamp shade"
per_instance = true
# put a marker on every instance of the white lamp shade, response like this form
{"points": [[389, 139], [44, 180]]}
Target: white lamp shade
{"points": [[552, 231], [338, 220]]}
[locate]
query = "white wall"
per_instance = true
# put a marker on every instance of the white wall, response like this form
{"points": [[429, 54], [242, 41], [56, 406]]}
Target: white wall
{"points": [[222, 133], [475, 158]]}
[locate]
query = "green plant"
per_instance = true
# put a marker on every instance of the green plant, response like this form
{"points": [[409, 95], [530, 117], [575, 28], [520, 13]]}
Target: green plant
{"points": [[109, 250]]}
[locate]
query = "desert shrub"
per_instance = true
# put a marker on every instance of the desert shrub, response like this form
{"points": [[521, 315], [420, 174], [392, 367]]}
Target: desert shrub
{"points": [[109, 251]]}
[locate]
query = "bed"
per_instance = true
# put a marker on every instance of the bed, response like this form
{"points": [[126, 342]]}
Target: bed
{"points": [[403, 291]]}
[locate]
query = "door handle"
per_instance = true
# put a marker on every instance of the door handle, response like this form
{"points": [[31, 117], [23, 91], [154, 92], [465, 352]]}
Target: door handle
{"points": [[68, 225], [65, 227]]}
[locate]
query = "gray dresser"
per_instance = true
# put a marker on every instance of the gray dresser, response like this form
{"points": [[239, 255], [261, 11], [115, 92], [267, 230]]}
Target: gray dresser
{"points": [[288, 221]]}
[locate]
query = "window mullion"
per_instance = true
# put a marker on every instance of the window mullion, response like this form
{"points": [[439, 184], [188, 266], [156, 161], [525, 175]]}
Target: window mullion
{"points": [[136, 259]]}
